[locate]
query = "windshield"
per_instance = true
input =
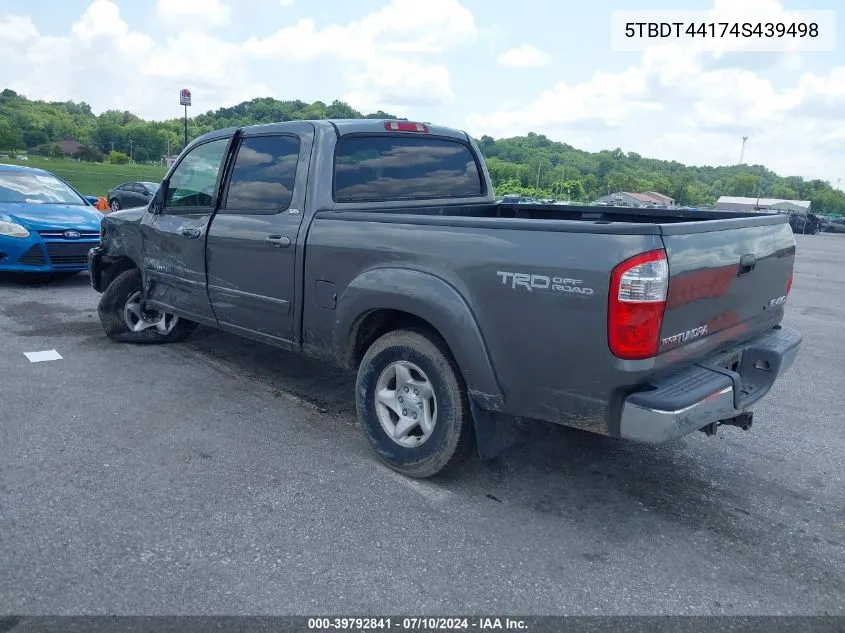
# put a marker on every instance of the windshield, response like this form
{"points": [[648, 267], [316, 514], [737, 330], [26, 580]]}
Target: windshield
{"points": [[34, 188], [152, 187]]}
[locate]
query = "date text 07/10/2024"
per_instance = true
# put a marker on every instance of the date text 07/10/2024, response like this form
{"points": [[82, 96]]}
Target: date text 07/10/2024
{"points": [[416, 624]]}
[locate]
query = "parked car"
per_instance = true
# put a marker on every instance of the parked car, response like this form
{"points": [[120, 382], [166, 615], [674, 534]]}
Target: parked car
{"points": [[515, 199], [46, 226], [834, 226], [378, 246], [805, 223], [131, 194]]}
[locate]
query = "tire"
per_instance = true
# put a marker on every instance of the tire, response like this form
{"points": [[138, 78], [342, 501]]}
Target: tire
{"points": [[450, 435], [114, 204], [113, 304]]}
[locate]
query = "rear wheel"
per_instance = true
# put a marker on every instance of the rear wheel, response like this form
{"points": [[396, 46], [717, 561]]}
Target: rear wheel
{"points": [[412, 404], [125, 319], [114, 204]]}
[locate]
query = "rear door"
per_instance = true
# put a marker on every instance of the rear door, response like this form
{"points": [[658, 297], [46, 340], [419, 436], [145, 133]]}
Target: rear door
{"points": [[252, 243], [137, 195], [728, 279], [174, 235]]}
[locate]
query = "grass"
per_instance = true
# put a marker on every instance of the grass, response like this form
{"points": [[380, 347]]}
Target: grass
{"points": [[92, 179]]}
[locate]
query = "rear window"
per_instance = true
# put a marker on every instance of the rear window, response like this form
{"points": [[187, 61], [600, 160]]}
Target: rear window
{"points": [[376, 168]]}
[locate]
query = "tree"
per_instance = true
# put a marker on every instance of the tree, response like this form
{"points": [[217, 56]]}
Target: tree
{"points": [[10, 138], [564, 170], [56, 152], [91, 154], [743, 184], [118, 158]]}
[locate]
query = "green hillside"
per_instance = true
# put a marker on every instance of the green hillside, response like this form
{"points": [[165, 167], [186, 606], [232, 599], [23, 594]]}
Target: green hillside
{"points": [[514, 163]]}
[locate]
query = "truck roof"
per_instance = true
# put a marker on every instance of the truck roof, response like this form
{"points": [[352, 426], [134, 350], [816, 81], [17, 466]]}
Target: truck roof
{"points": [[343, 127]]}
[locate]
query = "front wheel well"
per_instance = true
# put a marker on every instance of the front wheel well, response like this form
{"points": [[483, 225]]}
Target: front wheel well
{"points": [[376, 323], [116, 267]]}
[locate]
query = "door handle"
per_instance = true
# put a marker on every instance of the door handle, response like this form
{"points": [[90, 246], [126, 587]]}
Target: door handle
{"points": [[277, 241], [192, 233], [746, 264]]}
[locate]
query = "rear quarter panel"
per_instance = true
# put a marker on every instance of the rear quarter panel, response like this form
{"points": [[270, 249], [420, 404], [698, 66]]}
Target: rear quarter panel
{"points": [[539, 298]]}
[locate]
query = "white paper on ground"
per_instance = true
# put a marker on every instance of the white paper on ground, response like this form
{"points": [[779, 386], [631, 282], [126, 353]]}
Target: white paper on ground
{"points": [[37, 357]]}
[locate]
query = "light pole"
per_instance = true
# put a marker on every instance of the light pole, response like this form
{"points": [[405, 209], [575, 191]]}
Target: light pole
{"points": [[742, 153]]}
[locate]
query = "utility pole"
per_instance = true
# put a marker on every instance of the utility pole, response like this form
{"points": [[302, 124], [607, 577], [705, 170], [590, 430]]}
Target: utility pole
{"points": [[539, 164], [130, 148], [742, 153], [838, 180]]}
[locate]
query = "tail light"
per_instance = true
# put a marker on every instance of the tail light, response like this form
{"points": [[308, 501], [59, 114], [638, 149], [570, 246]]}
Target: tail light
{"points": [[405, 126], [789, 283], [637, 301]]}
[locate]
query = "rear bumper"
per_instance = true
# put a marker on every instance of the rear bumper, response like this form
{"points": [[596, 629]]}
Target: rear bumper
{"points": [[709, 391]]}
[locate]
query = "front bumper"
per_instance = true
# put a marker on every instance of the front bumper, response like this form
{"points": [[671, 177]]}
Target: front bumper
{"points": [[37, 255], [709, 392], [95, 267]]}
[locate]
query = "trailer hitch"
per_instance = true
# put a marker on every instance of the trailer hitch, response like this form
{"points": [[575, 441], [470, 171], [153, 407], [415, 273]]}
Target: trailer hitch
{"points": [[743, 421]]}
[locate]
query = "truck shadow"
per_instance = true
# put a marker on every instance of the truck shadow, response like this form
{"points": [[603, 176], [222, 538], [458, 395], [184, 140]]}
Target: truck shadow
{"points": [[552, 471], [37, 280]]}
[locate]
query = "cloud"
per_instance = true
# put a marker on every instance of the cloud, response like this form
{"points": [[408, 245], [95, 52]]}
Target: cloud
{"points": [[144, 74], [390, 49], [193, 13], [17, 29], [606, 99], [525, 56], [695, 110], [387, 31], [408, 83]]}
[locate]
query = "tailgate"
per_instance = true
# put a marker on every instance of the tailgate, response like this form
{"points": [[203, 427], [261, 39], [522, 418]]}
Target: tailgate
{"points": [[734, 277]]}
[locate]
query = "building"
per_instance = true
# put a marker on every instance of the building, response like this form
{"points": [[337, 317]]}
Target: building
{"points": [[736, 203], [664, 199], [168, 161], [70, 147], [631, 199]]}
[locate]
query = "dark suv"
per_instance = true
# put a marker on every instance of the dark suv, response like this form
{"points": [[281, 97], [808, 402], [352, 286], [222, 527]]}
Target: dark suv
{"points": [[131, 194]]}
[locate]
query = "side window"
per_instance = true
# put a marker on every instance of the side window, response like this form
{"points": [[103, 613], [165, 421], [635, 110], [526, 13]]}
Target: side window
{"points": [[389, 167], [195, 177], [263, 176], [137, 188]]}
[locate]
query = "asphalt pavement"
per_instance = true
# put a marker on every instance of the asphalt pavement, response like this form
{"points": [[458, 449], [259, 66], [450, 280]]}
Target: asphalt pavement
{"points": [[220, 476]]}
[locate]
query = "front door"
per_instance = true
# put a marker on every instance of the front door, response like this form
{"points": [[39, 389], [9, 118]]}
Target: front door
{"points": [[174, 235], [252, 242]]}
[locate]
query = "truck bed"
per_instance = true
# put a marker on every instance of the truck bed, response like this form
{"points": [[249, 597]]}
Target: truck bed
{"points": [[570, 218]]}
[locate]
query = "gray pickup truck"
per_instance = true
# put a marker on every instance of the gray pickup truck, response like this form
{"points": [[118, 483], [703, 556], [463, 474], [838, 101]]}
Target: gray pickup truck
{"points": [[378, 246]]}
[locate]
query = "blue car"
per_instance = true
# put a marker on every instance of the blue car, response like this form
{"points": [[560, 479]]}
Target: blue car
{"points": [[46, 226]]}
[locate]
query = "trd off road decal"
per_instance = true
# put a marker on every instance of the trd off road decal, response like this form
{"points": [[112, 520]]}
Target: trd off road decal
{"points": [[544, 283]]}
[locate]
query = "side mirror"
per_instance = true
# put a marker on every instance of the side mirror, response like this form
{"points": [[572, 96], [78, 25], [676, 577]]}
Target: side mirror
{"points": [[92, 199]]}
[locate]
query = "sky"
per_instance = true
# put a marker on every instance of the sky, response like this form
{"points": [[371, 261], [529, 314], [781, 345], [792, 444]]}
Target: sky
{"points": [[486, 66]]}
